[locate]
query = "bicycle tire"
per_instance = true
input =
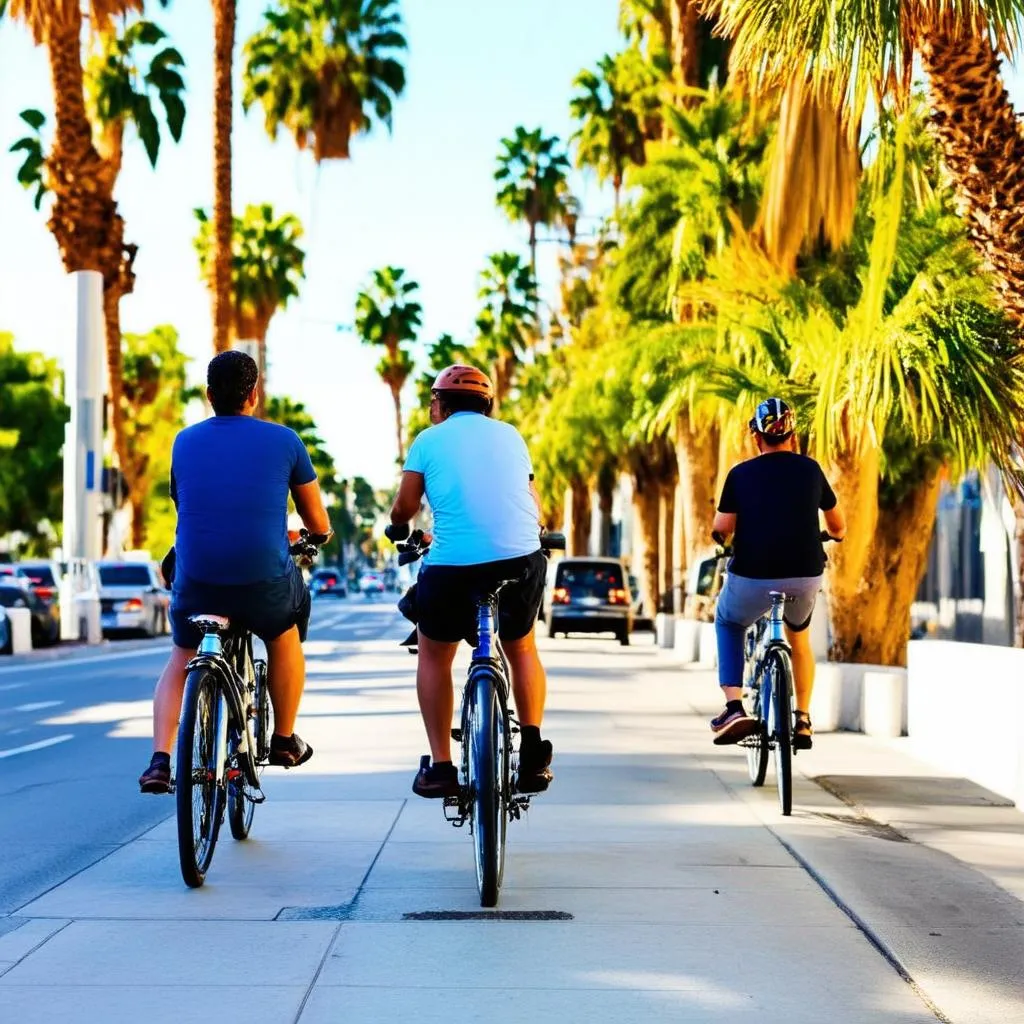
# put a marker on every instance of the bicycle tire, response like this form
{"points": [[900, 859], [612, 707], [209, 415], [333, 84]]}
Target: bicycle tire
{"points": [[757, 744], [487, 790], [781, 673], [240, 809], [199, 798]]}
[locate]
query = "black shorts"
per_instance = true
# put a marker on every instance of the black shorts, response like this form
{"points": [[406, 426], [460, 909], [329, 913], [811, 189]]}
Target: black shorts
{"points": [[268, 609], [446, 595]]}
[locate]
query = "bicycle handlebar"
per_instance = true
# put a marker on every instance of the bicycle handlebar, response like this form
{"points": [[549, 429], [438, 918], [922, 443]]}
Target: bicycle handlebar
{"points": [[411, 546], [307, 547]]}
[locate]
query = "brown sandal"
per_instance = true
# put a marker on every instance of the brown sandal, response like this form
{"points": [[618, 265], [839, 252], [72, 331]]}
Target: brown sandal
{"points": [[803, 732]]}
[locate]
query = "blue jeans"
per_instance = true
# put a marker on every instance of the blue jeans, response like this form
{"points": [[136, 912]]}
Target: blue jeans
{"points": [[742, 602]]}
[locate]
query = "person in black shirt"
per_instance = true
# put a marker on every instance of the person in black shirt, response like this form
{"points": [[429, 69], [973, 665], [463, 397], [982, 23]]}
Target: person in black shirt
{"points": [[770, 505]]}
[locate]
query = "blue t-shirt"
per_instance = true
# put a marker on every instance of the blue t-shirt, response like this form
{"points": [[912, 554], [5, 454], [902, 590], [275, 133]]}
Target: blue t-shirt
{"points": [[230, 479]]}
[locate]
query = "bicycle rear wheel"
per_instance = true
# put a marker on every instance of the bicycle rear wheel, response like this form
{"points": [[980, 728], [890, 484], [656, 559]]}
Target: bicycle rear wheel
{"points": [[757, 744], [241, 809], [199, 793], [487, 761], [779, 673]]}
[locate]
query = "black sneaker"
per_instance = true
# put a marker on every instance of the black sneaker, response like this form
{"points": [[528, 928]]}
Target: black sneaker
{"points": [[803, 732], [733, 725], [289, 751], [157, 777], [435, 781], [534, 774]]}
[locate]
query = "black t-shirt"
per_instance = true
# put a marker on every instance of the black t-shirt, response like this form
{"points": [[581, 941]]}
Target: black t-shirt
{"points": [[776, 498]]}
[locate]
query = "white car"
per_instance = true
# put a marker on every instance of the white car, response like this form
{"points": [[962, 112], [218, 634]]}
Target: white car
{"points": [[371, 583], [132, 598]]}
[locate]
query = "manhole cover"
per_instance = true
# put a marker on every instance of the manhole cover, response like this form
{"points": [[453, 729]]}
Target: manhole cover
{"points": [[488, 915]]}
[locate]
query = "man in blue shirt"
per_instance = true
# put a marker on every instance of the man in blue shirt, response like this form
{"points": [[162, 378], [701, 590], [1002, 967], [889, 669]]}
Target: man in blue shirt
{"points": [[231, 476]]}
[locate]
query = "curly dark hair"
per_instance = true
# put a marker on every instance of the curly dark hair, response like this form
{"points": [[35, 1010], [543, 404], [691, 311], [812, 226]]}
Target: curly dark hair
{"points": [[231, 376], [464, 401]]}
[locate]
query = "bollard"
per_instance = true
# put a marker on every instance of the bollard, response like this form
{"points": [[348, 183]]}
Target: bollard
{"points": [[21, 629]]}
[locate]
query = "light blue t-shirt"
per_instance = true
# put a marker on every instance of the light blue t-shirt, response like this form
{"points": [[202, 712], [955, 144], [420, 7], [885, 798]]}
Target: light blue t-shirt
{"points": [[476, 474], [230, 479]]}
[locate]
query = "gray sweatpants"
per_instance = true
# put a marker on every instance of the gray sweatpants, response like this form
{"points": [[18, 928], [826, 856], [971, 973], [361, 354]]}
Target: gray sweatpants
{"points": [[742, 602]]}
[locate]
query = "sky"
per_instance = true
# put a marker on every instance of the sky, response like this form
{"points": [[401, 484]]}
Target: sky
{"points": [[422, 199]]}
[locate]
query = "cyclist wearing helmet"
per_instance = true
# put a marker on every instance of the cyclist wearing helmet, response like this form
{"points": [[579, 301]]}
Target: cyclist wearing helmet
{"points": [[770, 505], [476, 475]]}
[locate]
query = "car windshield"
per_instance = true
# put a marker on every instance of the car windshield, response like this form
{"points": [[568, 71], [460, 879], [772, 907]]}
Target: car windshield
{"points": [[13, 597], [124, 576], [38, 574], [590, 580]]}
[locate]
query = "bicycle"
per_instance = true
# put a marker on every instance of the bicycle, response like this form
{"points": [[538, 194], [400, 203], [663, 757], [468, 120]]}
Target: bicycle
{"points": [[768, 682], [223, 736], [488, 799]]}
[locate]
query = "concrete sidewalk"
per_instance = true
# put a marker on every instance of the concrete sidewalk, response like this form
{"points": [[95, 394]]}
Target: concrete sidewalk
{"points": [[690, 898]]}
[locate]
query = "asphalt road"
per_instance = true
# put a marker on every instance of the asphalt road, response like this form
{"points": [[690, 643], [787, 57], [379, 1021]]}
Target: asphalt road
{"points": [[74, 736]]}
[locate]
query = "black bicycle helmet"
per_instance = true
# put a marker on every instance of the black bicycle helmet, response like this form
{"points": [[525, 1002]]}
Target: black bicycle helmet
{"points": [[774, 420]]}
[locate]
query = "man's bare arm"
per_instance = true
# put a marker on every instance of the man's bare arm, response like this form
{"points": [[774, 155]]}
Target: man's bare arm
{"points": [[309, 503], [725, 523], [835, 523], [407, 502], [536, 500]]}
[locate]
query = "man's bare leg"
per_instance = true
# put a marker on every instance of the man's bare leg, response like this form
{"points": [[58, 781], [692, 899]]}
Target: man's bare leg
{"points": [[170, 688], [529, 681], [435, 694], [286, 669], [803, 666]]}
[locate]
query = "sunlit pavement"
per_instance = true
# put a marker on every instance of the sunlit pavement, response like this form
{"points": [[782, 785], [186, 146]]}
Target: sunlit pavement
{"points": [[690, 898]]}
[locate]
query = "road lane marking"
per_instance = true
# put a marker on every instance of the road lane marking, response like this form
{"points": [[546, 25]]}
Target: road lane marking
{"points": [[51, 742], [73, 662], [39, 705]]}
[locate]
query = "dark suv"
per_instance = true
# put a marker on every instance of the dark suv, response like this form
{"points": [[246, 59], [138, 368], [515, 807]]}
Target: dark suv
{"points": [[590, 596]]}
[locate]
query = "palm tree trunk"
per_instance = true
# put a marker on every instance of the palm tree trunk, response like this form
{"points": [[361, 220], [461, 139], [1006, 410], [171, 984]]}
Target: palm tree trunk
{"points": [[223, 52], [396, 395], [875, 630], [138, 525], [580, 540], [261, 366], [646, 506], [671, 577], [697, 458], [533, 247], [982, 139], [112, 325], [606, 479], [685, 47]]}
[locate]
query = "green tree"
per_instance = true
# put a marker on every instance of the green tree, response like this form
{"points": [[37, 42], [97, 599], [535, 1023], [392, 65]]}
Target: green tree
{"points": [[531, 176], [507, 323], [610, 135], [870, 52], [444, 352], [32, 419], [325, 69], [295, 416], [153, 404], [267, 266], [387, 315]]}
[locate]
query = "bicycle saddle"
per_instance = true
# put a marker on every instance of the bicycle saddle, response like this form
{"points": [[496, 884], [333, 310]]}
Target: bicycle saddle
{"points": [[211, 623]]}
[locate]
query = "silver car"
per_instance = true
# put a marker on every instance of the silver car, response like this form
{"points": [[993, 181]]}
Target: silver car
{"points": [[132, 598]]}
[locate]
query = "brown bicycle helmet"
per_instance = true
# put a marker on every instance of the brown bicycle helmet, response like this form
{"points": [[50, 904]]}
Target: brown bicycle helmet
{"points": [[464, 378]]}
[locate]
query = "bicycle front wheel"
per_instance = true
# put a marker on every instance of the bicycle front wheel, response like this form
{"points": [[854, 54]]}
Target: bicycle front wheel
{"points": [[199, 792], [488, 783], [779, 673]]}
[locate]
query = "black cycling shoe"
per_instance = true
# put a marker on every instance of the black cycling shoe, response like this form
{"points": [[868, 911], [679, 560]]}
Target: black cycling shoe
{"points": [[435, 781], [289, 751], [157, 777], [803, 733], [535, 775]]}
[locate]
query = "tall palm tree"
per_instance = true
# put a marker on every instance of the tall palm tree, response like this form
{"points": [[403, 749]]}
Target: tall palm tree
{"points": [[610, 135], [224, 14], [532, 169], [507, 324], [94, 106], [267, 266], [325, 69], [870, 52], [389, 316]]}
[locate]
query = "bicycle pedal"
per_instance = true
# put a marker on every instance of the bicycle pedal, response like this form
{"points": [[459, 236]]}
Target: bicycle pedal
{"points": [[457, 736]]}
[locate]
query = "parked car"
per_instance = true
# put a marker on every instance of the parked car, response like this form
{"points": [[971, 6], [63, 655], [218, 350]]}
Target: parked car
{"points": [[328, 583], [590, 596], [45, 619], [131, 598], [370, 584], [5, 633], [44, 579]]}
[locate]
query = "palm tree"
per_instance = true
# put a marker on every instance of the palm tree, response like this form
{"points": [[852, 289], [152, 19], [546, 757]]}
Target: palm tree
{"points": [[610, 134], [267, 265], [94, 105], [325, 69], [507, 324], [224, 14], [532, 172], [870, 51], [389, 316]]}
